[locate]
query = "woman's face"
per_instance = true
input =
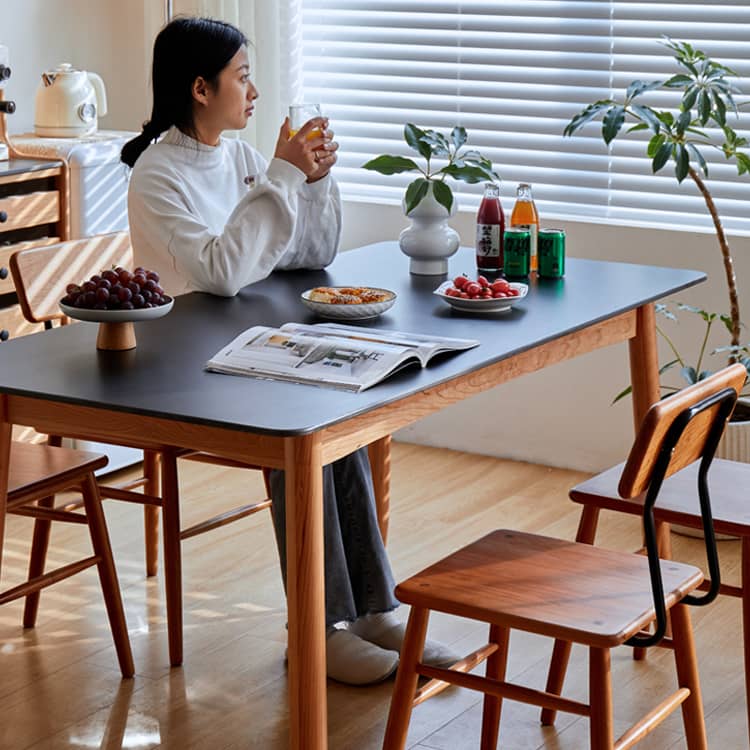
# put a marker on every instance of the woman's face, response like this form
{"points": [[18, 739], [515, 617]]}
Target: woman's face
{"points": [[230, 104]]}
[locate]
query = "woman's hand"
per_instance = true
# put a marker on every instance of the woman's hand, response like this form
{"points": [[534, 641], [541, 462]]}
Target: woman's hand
{"points": [[325, 157], [302, 148]]}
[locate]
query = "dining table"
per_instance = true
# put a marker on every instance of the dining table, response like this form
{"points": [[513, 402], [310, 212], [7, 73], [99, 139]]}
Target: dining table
{"points": [[160, 396]]}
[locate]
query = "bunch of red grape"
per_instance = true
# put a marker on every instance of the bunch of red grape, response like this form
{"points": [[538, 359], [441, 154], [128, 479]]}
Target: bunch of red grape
{"points": [[117, 289]]}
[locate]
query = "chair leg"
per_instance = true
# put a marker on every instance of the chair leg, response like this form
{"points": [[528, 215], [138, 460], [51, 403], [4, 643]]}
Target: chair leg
{"points": [[172, 554], [402, 700], [746, 619], [37, 560], [687, 676], [561, 651], [107, 574], [496, 666], [151, 512], [601, 729]]}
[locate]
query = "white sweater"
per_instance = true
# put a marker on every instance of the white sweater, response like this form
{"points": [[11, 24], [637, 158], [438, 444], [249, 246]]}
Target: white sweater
{"points": [[216, 218]]}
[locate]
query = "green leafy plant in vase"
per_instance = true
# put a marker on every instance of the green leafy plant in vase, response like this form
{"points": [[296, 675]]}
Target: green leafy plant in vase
{"points": [[429, 201], [679, 137]]}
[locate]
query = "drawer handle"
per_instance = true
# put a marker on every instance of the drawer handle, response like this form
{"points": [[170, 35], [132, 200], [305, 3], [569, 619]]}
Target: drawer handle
{"points": [[3, 273], [3, 216], [4, 335]]}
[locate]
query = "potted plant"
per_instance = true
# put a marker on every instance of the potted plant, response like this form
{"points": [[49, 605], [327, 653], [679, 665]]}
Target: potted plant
{"points": [[428, 201], [679, 137]]}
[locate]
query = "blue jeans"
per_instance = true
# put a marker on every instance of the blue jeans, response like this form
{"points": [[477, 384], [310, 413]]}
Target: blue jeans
{"points": [[358, 576]]}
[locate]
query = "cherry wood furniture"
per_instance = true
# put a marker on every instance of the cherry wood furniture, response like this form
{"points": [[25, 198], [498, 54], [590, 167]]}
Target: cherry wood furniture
{"points": [[578, 593], [34, 474], [40, 275], [678, 504], [159, 397]]}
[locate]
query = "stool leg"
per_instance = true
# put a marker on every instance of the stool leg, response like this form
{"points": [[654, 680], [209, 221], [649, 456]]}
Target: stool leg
{"points": [[402, 700], [687, 676], [496, 666], [37, 559], [601, 729], [561, 650], [172, 555], [151, 512], [107, 574], [746, 619]]}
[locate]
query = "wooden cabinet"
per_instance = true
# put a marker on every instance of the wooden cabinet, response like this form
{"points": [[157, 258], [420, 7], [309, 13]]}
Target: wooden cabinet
{"points": [[33, 211]]}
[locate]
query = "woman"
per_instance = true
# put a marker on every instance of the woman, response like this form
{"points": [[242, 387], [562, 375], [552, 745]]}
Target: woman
{"points": [[211, 215]]}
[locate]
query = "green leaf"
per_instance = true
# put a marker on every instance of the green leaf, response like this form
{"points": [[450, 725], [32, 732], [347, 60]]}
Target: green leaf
{"points": [[437, 143], [655, 144], [678, 81], [683, 121], [720, 109], [743, 163], [661, 157], [458, 136], [585, 115], [699, 158], [414, 137], [468, 173], [704, 107], [682, 162], [647, 115], [612, 123], [689, 374], [415, 192], [688, 100], [637, 126], [622, 394], [636, 88], [387, 164], [443, 194]]}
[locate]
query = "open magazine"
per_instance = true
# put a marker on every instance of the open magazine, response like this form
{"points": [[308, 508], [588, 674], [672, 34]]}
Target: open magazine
{"points": [[329, 354]]}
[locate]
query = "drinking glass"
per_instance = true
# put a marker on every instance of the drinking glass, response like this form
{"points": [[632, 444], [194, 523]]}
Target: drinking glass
{"points": [[299, 114]]}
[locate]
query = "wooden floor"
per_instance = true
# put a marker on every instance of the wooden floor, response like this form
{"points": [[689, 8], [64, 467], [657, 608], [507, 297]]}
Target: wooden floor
{"points": [[61, 688]]}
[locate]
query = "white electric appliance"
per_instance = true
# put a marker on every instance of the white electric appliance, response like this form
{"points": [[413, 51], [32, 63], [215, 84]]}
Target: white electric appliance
{"points": [[98, 204], [69, 102]]}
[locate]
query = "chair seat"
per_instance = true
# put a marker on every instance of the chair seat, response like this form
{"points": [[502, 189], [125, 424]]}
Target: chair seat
{"points": [[548, 586], [678, 497], [31, 466]]}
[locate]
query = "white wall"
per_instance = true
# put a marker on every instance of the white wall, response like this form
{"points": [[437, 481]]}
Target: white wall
{"points": [[560, 416]]}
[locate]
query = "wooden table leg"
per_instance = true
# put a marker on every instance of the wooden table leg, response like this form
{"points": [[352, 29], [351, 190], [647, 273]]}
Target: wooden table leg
{"points": [[151, 512], [380, 465], [305, 593], [172, 555], [5, 436]]}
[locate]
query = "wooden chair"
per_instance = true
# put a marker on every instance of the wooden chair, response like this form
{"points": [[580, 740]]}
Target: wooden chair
{"points": [[40, 275], [678, 504], [35, 474], [578, 593]]}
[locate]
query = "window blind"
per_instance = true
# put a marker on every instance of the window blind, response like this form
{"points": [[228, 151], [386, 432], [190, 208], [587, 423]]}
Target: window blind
{"points": [[513, 74]]}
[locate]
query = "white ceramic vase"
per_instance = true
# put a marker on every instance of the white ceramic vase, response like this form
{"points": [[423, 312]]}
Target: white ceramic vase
{"points": [[429, 241]]}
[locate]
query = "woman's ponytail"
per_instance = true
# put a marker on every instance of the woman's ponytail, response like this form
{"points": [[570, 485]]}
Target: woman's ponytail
{"points": [[152, 129]]}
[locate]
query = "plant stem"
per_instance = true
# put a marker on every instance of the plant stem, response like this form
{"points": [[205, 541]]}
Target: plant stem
{"points": [[703, 348], [671, 346], [734, 306]]}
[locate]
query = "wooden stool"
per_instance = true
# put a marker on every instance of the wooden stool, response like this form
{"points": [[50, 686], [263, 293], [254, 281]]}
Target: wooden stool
{"points": [[36, 474]]}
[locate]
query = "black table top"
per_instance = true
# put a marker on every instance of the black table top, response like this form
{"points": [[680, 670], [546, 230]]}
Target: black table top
{"points": [[164, 375]]}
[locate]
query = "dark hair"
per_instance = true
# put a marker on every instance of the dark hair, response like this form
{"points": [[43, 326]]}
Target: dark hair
{"points": [[185, 49]]}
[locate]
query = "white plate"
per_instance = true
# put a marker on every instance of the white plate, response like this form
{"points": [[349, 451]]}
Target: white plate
{"points": [[117, 316], [499, 304], [360, 311]]}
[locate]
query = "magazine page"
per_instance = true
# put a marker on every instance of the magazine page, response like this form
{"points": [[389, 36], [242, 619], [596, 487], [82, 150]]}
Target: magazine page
{"points": [[288, 354], [422, 345]]}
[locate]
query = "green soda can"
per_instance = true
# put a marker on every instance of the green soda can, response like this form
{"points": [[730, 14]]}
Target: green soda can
{"points": [[517, 252], [551, 250]]}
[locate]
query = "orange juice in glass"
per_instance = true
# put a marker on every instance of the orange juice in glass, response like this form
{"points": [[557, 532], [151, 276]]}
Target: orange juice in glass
{"points": [[299, 114]]}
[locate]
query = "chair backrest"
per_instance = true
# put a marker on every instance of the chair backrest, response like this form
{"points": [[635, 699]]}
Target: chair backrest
{"points": [[41, 274], [639, 468]]}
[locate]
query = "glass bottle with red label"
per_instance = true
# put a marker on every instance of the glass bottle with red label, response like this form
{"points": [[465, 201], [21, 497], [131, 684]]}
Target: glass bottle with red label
{"points": [[490, 230]]}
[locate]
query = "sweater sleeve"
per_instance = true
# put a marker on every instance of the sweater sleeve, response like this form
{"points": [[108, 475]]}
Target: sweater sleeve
{"points": [[256, 235], [318, 229]]}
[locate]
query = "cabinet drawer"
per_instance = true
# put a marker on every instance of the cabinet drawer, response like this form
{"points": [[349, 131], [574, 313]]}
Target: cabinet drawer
{"points": [[12, 321], [6, 281], [30, 210]]}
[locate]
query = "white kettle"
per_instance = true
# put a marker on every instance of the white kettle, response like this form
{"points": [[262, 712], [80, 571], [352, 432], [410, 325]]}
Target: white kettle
{"points": [[69, 103]]}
